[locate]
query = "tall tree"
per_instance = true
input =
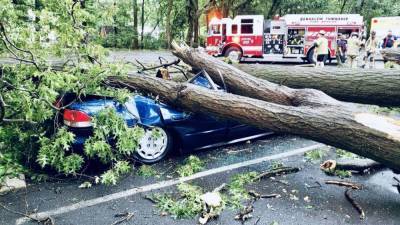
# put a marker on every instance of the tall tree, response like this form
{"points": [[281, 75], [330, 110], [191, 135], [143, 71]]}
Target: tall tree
{"points": [[142, 21], [168, 23], [135, 41]]}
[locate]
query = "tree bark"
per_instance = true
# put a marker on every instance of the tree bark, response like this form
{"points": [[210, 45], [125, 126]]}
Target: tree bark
{"points": [[368, 86], [168, 24], [135, 40], [332, 124], [142, 21], [242, 83], [391, 54]]}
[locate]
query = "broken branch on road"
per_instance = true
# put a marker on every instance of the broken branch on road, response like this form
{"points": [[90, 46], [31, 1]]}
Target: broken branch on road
{"points": [[124, 217], [344, 184], [354, 203]]}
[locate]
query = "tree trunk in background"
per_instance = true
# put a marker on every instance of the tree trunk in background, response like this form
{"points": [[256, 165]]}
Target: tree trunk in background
{"points": [[225, 7], [369, 86], [142, 21], [135, 41], [273, 8], [190, 18], [168, 24], [196, 26], [365, 86], [334, 125], [343, 5]]}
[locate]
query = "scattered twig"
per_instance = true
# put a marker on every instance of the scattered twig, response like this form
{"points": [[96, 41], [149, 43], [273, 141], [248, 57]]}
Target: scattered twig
{"points": [[354, 203], [398, 184], [315, 186], [151, 199], [124, 217], [45, 221], [245, 214], [278, 171], [164, 65], [258, 220], [219, 188], [270, 196], [344, 184]]}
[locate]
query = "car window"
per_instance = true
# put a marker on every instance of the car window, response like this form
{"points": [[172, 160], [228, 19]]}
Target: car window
{"points": [[200, 80]]}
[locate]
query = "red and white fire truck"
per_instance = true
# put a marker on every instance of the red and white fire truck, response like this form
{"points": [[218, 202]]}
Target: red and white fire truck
{"points": [[291, 36]]}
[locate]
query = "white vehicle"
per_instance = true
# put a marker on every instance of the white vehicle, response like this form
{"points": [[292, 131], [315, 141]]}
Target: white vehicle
{"points": [[381, 25]]}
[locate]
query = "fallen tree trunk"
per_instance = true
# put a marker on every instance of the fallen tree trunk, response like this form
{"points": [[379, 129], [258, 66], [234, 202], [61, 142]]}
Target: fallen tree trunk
{"points": [[391, 54], [365, 134], [370, 86]]}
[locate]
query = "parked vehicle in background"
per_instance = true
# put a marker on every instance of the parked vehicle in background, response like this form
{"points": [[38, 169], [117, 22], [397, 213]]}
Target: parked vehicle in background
{"points": [[290, 36], [176, 129], [382, 25]]}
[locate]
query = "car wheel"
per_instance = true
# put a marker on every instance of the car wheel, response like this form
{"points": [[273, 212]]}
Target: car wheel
{"points": [[153, 146], [310, 56], [233, 53]]}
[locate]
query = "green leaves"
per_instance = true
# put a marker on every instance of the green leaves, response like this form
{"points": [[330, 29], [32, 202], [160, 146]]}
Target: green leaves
{"points": [[192, 165]]}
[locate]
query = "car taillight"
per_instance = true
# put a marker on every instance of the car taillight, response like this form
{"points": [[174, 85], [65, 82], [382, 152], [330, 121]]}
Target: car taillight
{"points": [[75, 118]]}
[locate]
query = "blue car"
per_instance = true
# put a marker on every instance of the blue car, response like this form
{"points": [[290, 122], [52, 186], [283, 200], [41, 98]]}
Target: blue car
{"points": [[178, 130]]}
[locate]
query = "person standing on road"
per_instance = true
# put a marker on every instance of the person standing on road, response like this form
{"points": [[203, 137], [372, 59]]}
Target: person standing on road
{"points": [[321, 48], [353, 49], [389, 40], [370, 46], [341, 49]]}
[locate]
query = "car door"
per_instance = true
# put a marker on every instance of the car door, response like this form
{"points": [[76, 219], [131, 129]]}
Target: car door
{"points": [[201, 130]]}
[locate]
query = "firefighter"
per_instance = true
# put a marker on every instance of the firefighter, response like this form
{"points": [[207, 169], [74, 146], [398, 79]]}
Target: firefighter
{"points": [[341, 48], [321, 49], [370, 46], [353, 49]]}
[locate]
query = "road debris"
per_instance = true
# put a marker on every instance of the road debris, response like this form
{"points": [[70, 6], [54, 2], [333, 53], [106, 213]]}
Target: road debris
{"points": [[276, 172], [42, 221], [344, 184], [124, 217], [212, 204], [257, 196], [85, 185], [245, 214], [354, 203], [398, 184], [360, 165]]}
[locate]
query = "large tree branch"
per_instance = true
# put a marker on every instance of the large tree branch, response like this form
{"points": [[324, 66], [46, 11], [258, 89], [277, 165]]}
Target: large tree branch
{"points": [[365, 134]]}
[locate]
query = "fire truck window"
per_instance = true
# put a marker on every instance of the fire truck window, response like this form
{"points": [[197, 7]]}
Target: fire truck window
{"points": [[247, 21], [246, 28], [215, 29], [234, 29]]}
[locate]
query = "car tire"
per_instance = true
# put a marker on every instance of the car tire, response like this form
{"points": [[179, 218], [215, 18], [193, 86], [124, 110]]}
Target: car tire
{"points": [[233, 53], [310, 56], [152, 148]]}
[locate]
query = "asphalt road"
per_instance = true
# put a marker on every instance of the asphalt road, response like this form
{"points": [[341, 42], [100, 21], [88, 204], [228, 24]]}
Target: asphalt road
{"points": [[68, 204], [302, 201]]}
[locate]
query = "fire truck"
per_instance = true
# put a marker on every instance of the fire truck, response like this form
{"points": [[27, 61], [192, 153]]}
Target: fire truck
{"points": [[290, 36]]}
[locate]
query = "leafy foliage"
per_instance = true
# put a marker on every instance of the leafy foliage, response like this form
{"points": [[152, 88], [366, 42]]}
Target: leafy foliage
{"points": [[146, 171], [35, 34], [237, 190], [187, 206], [192, 165]]}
